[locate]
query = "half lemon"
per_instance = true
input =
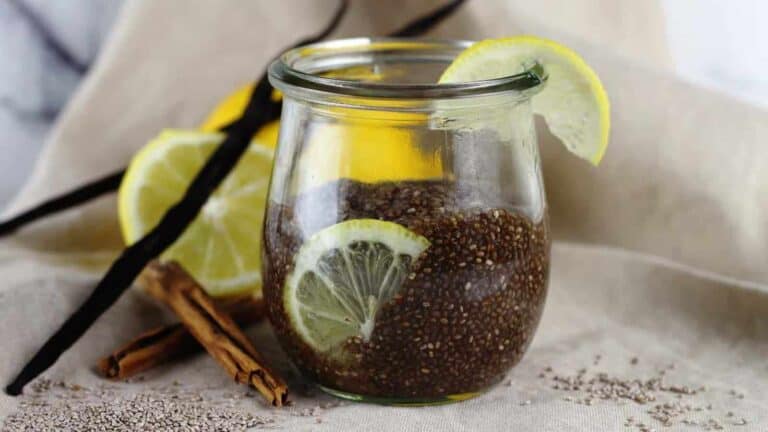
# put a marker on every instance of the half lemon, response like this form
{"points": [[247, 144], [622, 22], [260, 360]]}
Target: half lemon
{"points": [[221, 248]]}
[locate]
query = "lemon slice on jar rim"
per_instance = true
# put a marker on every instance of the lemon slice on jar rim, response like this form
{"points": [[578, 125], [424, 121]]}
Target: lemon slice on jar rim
{"points": [[573, 102]]}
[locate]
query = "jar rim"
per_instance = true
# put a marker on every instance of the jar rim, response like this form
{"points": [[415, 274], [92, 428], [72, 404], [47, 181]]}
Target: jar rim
{"points": [[300, 68]]}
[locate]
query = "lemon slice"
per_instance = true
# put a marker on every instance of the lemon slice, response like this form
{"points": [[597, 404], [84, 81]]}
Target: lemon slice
{"points": [[342, 276], [221, 248], [573, 101], [358, 147]]}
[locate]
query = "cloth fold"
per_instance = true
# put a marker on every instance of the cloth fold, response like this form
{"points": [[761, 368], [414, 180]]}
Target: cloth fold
{"points": [[659, 252]]}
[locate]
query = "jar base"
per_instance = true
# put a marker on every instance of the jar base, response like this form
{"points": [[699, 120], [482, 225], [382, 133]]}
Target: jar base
{"points": [[402, 402]]}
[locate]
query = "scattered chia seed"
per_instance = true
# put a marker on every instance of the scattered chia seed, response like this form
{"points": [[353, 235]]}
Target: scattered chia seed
{"points": [[463, 316], [670, 402], [70, 407]]}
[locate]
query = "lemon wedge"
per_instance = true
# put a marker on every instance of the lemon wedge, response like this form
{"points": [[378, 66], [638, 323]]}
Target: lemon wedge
{"points": [[221, 248], [573, 101]]}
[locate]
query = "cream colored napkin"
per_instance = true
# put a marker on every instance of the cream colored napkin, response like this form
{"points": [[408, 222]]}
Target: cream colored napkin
{"points": [[660, 251]]}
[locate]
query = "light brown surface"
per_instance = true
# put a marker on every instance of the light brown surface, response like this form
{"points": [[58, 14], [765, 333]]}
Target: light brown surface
{"points": [[661, 251]]}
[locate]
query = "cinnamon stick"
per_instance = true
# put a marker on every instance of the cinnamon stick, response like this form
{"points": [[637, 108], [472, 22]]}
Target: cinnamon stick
{"points": [[165, 343], [214, 329]]}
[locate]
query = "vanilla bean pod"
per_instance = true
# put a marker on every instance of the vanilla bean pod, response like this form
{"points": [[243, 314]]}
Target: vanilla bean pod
{"points": [[426, 23], [135, 257], [89, 191], [111, 182], [260, 110], [75, 197]]}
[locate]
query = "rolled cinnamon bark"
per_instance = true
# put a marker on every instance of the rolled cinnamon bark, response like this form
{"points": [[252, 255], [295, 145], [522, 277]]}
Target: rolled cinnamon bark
{"points": [[165, 343], [214, 329]]}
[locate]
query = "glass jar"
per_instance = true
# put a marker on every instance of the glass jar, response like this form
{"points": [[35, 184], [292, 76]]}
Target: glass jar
{"points": [[406, 243]]}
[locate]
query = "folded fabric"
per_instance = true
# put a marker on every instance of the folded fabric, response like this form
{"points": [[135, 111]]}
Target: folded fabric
{"points": [[659, 253]]}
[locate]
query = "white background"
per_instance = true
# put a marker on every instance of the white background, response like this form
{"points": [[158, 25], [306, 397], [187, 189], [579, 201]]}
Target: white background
{"points": [[722, 44]]}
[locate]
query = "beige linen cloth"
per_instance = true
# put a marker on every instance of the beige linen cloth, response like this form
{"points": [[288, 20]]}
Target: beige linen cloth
{"points": [[661, 252]]}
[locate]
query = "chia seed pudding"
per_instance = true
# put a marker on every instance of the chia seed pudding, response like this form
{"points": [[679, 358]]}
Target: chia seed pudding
{"points": [[465, 313]]}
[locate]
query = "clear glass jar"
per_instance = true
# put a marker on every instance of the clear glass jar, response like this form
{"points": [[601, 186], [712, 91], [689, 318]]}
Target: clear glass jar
{"points": [[436, 289]]}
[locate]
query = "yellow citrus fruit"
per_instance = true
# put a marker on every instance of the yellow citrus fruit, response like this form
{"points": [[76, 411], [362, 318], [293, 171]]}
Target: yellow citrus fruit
{"points": [[221, 248], [326, 309], [368, 146], [231, 108], [364, 151]]}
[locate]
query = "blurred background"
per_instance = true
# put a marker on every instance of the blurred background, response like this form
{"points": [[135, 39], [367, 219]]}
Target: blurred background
{"points": [[47, 47]]}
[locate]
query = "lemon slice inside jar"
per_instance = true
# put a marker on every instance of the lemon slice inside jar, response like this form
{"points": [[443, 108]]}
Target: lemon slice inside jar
{"points": [[343, 274], [573, 101]]}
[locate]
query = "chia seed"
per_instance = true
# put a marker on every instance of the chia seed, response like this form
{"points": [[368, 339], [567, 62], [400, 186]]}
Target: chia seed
{"points": [[484, 279], [70, 407], [667, 404]]}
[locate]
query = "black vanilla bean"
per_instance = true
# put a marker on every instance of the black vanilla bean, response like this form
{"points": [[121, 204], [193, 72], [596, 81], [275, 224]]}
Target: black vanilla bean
{"points": [[129, 264], [110, 183], [135, 257], [426, 23], [87, 192]]}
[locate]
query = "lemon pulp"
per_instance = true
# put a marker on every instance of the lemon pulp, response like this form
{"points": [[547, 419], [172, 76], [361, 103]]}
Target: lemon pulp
{"points": [[343, 274]]}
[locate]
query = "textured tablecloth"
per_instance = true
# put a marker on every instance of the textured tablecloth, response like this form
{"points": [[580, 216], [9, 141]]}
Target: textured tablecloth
{"points": [[660, 253]]}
